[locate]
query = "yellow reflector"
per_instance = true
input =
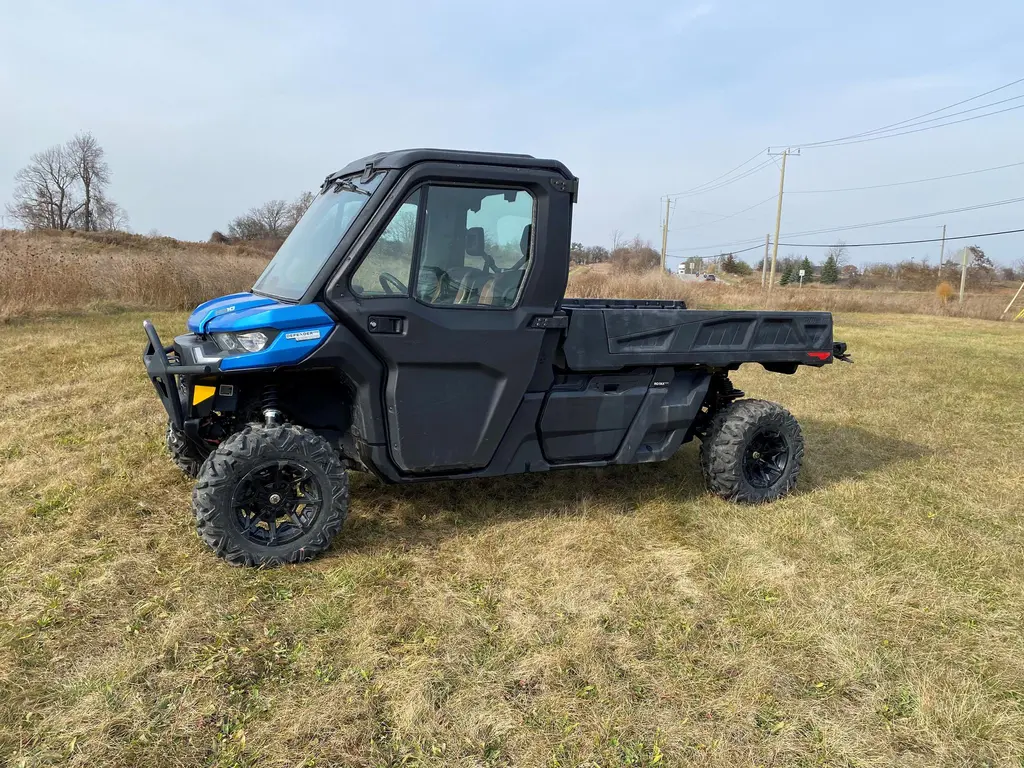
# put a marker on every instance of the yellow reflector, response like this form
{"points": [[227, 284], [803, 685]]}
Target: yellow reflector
{"points": [[201, 393]]}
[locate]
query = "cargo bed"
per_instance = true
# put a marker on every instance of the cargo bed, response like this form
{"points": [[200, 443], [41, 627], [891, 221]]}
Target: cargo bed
{"points": [[612, 334]]}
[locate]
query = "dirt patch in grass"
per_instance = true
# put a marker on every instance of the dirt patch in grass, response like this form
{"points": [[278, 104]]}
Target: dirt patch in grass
{"points": [[616, 617]]}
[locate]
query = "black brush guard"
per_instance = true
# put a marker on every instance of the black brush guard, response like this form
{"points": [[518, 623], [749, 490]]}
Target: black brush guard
{"points": [[163, 372]]}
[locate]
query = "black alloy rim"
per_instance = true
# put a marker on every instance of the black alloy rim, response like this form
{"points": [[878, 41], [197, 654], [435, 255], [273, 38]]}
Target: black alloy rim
{"points": [[277, 502], [765, 459]]}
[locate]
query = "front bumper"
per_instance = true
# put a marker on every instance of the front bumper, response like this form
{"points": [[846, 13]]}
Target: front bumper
{"points": [[186, 357]]}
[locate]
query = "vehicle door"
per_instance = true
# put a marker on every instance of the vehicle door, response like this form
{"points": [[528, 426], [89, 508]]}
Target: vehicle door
{"points": [[444, 290]]}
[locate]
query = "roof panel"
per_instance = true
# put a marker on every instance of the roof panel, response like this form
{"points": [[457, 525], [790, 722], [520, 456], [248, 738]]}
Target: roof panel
{"points": [[403, 158]]}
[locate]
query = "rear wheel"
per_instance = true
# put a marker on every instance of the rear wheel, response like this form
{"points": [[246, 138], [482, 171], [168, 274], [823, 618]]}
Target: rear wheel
{"points": [[752, 452], [270, 495]]}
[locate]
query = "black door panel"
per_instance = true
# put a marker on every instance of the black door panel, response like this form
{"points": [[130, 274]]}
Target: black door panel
{"points": [[459, 361], [455, 378], [586, 418]]}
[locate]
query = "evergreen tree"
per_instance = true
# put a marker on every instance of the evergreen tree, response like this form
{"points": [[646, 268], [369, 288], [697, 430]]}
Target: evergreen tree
{"points": [[830, 271], [808, 269], [787, 275], [733, 266]]}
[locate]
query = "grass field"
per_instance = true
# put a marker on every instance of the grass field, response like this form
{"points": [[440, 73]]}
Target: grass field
{"points": [[618, 617]]}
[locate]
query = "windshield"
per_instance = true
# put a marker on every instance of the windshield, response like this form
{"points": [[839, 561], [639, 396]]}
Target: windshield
{"points": [[314, 238]]}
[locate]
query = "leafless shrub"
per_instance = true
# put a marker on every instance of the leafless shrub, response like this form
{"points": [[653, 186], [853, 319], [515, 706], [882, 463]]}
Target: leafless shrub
{"points": [[635, 256]]}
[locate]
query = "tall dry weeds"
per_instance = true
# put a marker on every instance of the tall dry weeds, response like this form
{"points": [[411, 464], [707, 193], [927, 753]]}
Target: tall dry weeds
{"points": [[598, 283], [45, 272], [57, 272]]}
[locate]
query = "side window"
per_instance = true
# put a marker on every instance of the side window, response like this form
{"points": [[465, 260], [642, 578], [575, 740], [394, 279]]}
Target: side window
{"points": [[387, 269], [477, 246]]}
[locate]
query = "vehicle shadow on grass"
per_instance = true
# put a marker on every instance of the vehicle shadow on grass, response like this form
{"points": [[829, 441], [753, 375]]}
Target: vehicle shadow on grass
{"points": [[424, 514], [837, 452]]}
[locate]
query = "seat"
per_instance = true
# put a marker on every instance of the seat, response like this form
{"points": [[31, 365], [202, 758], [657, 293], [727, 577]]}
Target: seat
{"points": [[502, 289], [470, 282], [524, 246]]}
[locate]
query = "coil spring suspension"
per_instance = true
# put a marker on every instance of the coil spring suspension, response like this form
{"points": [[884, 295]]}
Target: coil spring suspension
{"points": [[271, 413], [725, 391], [721, 393]]}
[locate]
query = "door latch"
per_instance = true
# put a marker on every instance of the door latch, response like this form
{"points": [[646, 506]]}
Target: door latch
{"points": [[386, 324], [554, 321]]}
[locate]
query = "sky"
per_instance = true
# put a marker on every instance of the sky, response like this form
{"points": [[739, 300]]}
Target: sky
{"points": [[206, 109]]}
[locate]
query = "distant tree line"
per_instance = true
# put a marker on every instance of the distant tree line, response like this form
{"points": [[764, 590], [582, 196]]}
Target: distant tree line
{"points": [[65, 187], [271, 221], [909, 274], [636, 255]]}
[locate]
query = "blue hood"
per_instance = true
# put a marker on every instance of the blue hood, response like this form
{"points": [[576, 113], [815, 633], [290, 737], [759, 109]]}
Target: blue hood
{"points": [[247, 312], [303, 327]]}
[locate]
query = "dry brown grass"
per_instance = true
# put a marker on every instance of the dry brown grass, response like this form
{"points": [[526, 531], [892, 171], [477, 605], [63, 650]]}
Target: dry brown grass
{"points": [[43, 273], [591, 282], [618, 617], [47, 272]]}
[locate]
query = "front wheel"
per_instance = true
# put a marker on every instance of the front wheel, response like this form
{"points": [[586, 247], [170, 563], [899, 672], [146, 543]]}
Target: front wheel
{"points": [[752, 452], [187, 456], [270, 495]]}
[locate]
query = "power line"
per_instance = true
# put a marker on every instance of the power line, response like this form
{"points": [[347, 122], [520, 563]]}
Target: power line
{"points": [[874, 245], [734, 253], [904, 183], [727, 173], [726, 183], [898, 242], [908, 218], [912, 119], [919, 130], [730, 216], [880, 133], [718, 245], [865, 225]]}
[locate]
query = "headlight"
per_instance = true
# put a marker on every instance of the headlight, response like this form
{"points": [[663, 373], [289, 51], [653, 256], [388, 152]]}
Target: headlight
{"points": [[253, 341], [250, 341]]}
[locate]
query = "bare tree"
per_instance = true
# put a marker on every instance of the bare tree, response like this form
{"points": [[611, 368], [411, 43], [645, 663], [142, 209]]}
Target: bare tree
{"points": [[271, 221], [64, 187], [87, 156], [838, 252], [108, 216], [299, 207], [636, 255], [45, 192], [267, 221]]}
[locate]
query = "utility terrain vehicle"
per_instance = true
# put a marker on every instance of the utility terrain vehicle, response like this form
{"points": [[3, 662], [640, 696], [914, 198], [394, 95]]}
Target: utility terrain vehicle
{"points": [[413, 325]]}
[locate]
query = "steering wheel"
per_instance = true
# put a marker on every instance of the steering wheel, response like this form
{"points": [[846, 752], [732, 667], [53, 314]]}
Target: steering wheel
{"points": [[392, 285]]}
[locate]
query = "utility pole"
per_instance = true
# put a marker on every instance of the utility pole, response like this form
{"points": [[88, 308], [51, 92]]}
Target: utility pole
{"points": [[764, 264], [778, 217], [664, 236], [963, 276], [942, 248], [1012, 300]]}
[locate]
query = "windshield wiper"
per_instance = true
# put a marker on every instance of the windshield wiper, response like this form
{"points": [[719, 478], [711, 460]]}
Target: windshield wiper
{"points": [[348, 186]]}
